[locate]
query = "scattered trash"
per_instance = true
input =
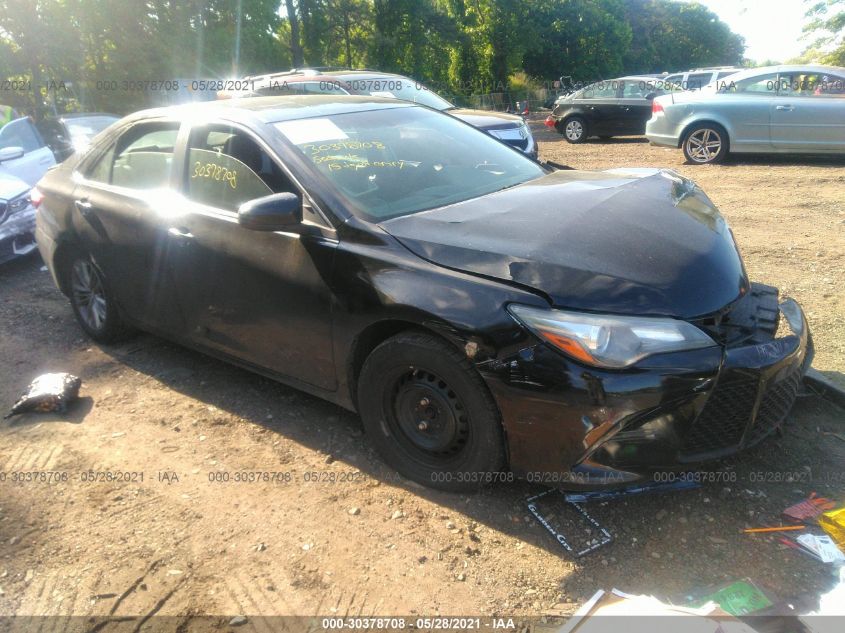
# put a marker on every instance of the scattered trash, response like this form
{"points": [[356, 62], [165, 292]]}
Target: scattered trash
{"points": [[781, 528], [738, 598], [598, 535], [793, 545], [822, 546], [596, 541], [48, 393], [808, 509], [604, 495], [708, 618], [833, 523]]}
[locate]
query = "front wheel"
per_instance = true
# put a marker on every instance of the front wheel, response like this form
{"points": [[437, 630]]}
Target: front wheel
{"points": [[429, 413], [92, 302], [706, 143]]}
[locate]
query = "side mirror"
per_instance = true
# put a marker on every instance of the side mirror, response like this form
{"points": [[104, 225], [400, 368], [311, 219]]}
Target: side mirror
{"points": [[276, 212], [650, 96], [10, 153]]}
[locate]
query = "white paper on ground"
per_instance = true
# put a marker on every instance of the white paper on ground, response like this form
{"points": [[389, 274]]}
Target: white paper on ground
{"points": [[823, 546]]}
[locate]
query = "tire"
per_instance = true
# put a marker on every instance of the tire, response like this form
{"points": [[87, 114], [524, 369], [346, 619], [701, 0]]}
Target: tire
{"points": [[575, 129], [415, 379], [92, 301], [705, 143]]}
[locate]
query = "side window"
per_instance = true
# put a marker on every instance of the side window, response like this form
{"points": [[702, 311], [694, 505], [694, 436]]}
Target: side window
{"points": [[601, 90], [141, 158], [763, 86], [635, 90], [811, 85], [226, 168], [101, 170], [20, 133], [697, 81]]}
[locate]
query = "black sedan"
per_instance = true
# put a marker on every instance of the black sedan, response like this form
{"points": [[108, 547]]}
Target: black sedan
{"points": [[616, 107], [485, 315]]}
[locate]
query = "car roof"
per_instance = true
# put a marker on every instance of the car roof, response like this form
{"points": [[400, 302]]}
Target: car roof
{"points": [[276, 108], [782, 68], [317, 75]]}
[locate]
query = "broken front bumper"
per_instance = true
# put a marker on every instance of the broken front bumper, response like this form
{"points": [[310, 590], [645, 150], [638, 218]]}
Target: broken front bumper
{"points": [[579, 427], [17, 234]]}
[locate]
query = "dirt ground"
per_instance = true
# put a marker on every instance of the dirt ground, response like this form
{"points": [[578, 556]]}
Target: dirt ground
{"points": [[335, 532]]}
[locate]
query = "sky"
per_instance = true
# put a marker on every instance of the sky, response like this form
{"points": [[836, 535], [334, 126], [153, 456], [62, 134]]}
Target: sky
{"points": [[771, 28]]}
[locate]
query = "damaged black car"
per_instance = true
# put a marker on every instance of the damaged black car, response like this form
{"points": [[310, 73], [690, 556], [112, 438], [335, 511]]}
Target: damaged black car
{"points": [[486, 315]]}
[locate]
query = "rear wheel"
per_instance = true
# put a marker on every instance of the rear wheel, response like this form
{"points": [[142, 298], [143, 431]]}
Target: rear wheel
{"points": [[575, 129], [92, 301], [429, 413], [706, 143]]}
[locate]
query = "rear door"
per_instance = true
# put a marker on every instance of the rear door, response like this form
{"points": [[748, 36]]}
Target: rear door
{"points": [[809, 112], [634, 108], [37, 158], [269, 303], [747, 104], [599, 105], [119, 203]]}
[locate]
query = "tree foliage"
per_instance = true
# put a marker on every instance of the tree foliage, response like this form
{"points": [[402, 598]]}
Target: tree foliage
{"points": [[459, 46], [827, 24]]}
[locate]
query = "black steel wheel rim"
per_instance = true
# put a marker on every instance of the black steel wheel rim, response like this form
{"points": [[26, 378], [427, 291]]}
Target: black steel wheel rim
{"points": [[427, 417]]}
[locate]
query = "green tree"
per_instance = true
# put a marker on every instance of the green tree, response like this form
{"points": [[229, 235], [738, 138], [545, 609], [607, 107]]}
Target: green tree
{"points": [[827, 23]]}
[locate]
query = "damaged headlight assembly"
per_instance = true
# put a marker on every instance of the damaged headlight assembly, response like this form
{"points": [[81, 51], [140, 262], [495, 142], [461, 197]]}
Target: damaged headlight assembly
{"points": [[609, 341]]}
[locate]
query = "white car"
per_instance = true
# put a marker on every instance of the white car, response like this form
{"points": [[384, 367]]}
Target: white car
{"points": [[24, 159]]}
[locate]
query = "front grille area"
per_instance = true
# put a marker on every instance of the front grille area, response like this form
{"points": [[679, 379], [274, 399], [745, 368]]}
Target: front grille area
{"points": [[725, 417], [777, 402], [727, 421]]}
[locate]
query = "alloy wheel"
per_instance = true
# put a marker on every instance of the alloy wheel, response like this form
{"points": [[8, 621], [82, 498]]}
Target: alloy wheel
{"points": [[704, 145], [89, 294], [574, 130]]}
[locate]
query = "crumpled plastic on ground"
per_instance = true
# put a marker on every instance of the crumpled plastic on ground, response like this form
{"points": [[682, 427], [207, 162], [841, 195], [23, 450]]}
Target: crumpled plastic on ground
{"points": [[48, 393]]}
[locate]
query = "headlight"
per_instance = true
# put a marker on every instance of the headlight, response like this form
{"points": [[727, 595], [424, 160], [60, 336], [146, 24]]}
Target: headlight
{"points": [[608, 340], [512, 134]]}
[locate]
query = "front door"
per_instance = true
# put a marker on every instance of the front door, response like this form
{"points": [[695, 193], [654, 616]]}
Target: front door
{"points": [[269, 303], [809, 112]]}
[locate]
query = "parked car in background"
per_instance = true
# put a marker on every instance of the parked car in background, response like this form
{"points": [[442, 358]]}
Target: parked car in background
{"points": [[479, 310], [508, 128], [697, 78], [24, 158], [616, 107], [73, 132], [778, 109], [23, 152]]}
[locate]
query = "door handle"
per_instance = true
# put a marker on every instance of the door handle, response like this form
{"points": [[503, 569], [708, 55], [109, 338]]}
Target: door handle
{"points": [[787, 108], [84, 207], [180, 233]]}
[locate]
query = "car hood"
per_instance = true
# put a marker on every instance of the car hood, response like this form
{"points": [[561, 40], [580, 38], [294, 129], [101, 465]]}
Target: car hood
{"points": [[643, 242], [11, 187], [486, 119]]}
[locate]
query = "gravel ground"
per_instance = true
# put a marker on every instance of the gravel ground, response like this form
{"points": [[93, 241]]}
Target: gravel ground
{"points": [[336, 532]]}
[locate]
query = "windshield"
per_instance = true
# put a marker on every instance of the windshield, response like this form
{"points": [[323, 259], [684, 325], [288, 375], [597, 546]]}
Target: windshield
{"points": [[388, 163], [398, 88]]}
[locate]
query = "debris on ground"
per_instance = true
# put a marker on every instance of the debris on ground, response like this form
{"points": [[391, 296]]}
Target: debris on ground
{"points": [[48, 393], [740, 597], [808, 509], [823, 547], [708, 618], [833, 523]]}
